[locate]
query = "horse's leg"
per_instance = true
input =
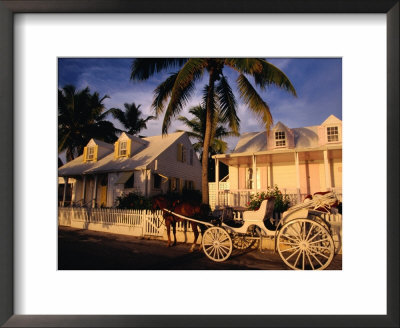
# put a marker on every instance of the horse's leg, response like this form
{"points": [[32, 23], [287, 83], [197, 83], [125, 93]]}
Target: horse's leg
{"points": [[196, 235], [168, 224], [202, 229], [174, 231]]}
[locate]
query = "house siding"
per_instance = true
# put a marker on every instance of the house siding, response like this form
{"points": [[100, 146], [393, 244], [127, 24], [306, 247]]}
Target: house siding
{"points": [[147, 164], [168, 165], [284, 175]]}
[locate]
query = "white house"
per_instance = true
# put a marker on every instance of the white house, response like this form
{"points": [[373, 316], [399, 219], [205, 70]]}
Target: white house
{"points": [[148, 166], [300, 161]]}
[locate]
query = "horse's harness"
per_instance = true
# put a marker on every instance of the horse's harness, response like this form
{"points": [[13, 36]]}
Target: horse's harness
{"points": [[172, 209]]}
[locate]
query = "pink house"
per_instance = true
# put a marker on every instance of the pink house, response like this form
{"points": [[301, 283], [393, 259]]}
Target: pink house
{"points": [[300, 161]]}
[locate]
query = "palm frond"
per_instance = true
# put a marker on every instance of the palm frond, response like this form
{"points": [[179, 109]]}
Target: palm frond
{"points": [[162, 93], [194, 124], [120, 116], [182, 89], [264, 73], [192, 135], [254, 101], [272, 75], [244, 65], [227, 104], [219, 146], [143, 68]]}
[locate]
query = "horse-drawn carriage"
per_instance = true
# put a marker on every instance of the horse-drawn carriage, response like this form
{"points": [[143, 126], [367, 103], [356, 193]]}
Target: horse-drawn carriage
{"points": [[303, 238]]}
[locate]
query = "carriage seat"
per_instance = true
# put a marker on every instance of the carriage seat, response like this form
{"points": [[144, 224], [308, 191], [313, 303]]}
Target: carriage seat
{"points": [[228, 218], [264, 213]]}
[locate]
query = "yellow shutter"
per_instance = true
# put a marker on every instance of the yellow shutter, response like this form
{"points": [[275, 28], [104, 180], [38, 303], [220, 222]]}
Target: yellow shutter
{"points": [[96, 151], [128, 147], [116, 144], [84, 154]]}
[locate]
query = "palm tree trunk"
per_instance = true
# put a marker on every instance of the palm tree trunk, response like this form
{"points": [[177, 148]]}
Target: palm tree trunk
{"points": [[207, 139]]}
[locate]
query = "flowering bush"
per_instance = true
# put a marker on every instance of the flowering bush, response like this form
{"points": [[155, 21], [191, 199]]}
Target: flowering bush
{"points": [[282, 202]]}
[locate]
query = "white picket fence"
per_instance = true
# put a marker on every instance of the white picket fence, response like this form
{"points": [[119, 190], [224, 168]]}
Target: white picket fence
{"points": [[134, 222], [139, 222]]}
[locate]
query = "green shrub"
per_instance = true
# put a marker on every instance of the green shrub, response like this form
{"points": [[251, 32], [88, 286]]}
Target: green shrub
{"points": [[133, 201], [282, 202]]}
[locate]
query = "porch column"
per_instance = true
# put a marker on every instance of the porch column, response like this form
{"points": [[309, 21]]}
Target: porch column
{"points": [[327, 171], [254, 174], [270, 176], [65, 190], [237, 197], [83, 190], [296, 160], [73, 192], [94, 195], [217, 181], [146, 183]]}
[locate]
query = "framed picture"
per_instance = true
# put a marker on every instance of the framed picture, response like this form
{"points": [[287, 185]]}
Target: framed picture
{"points": [[15, 201]]}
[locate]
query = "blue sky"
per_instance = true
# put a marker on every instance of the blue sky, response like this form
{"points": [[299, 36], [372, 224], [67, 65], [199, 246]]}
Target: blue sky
{"points": [[318, 82]]}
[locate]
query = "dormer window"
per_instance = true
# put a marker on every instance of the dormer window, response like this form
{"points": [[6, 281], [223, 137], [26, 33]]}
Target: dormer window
{"points": [[90, 154], [280, 139], [122, 148], [332, 133]]}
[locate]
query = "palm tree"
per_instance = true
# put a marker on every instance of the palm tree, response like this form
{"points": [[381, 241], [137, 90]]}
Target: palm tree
{"points": [[179, 86], [81, 116], [131, 118], [197, 127]]}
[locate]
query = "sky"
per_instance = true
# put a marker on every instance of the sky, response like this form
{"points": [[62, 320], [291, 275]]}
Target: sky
{"points": [[318, 83]]}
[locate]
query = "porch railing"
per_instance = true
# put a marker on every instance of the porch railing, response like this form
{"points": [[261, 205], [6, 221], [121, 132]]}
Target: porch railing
{"points": [[241, 197]]}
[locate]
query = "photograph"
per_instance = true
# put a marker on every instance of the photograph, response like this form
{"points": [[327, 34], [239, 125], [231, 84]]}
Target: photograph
{"points": [[197, 150], [199, 163]]}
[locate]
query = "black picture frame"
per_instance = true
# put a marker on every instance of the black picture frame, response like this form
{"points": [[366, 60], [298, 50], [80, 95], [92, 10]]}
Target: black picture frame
{"points": [[10, 7]]}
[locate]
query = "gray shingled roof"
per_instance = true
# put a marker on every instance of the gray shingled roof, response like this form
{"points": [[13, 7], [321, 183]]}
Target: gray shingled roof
{"points": [[75, 167], [252, 142], [156, 145]]}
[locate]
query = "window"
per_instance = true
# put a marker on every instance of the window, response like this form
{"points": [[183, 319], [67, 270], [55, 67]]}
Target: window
{"points": [[249, 179], [181, 153], [130, 182], [280, 139], [90, 154], [156, 181], [122, 148], [172, 184], [189, 185], [253, 180], [191, 157], [332, 133]]}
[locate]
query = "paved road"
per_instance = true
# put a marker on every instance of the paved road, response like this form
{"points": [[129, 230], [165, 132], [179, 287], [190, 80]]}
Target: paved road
{"points": [[90, 250]]}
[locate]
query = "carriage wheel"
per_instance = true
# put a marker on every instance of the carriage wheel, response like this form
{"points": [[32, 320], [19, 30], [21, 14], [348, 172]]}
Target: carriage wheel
{"points": [[217, 244], [242, 242], [304, 244], [246, 241]]}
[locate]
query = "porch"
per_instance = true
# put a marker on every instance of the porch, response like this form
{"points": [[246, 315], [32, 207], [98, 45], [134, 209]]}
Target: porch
{"points": [[296, 172], [241, 197]]}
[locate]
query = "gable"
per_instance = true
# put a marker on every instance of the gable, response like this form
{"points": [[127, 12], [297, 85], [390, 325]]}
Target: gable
{"points": [[332, 119]]}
